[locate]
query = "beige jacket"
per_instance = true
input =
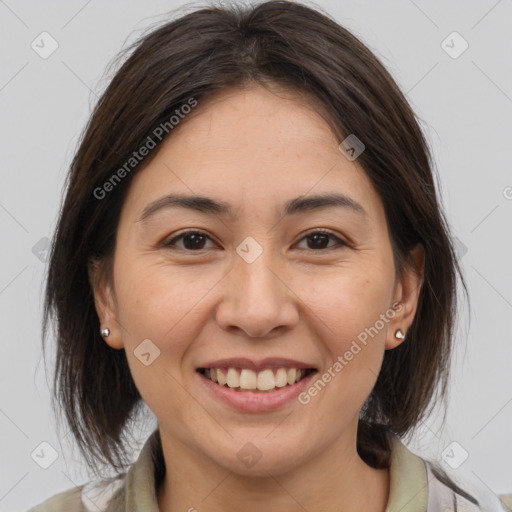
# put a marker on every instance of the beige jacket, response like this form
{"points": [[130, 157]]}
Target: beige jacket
{"points": [[413, 488]]}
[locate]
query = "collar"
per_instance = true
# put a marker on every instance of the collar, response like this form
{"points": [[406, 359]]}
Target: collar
{"points": [[408, 480], [141, 478]]}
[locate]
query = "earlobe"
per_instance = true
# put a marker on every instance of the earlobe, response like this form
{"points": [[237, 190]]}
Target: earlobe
{"points": [[407, 294], [397, 339], [105, 308]]}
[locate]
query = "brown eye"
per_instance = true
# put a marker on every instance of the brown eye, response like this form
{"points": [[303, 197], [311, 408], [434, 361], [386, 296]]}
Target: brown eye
{"points": [[318, 240], [192, 241]]}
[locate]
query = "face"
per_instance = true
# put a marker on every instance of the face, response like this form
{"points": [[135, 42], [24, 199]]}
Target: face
{"points": [[262, 279]]}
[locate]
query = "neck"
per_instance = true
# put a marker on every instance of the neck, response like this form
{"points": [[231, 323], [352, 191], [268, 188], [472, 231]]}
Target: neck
{"points": [[335, 479]]}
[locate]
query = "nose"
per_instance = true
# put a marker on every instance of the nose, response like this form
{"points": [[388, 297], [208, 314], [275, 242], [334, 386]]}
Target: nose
{"points": [[256, 299]]}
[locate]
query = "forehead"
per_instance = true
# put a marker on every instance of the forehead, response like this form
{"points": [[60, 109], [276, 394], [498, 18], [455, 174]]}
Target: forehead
{"points": [[253, 146], [253, 117]]}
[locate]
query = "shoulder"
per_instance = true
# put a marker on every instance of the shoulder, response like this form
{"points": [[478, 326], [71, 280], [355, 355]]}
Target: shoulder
{"points": [[93, 496], [450, 491], [134, 489], [506, 500], [465, 493], [418, 483], [67, 501]]}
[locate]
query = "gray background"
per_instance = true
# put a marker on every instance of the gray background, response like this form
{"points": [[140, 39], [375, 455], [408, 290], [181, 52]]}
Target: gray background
{"points": [[465, 104]]}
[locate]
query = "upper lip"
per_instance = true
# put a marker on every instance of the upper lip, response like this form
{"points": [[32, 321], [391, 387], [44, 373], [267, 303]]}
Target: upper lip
{"points": [[250, 364]]}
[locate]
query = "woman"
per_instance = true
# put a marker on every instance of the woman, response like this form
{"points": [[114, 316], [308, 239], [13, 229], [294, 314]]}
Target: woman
{"points": [[251, 244]]}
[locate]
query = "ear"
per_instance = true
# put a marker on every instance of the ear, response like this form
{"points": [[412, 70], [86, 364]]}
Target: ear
{"points": [[105, 304], [407, 291]]}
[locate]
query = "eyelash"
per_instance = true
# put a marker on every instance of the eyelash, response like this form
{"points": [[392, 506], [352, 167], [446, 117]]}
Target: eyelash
{"points": [[171, 244]]}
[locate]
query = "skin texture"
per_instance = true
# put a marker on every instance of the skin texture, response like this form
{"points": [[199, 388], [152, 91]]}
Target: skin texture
{"points": [[256, 149]]}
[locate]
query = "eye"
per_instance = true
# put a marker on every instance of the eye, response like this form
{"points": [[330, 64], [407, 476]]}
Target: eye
{"points": [[319, 237], [194, 241]]}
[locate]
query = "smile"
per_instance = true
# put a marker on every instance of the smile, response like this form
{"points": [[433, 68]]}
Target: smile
{"points": [[255, 385], [245, 379]]}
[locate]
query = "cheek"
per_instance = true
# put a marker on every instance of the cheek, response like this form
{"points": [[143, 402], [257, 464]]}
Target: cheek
{"points": [[351, 313], [163, 305], [348, 301], [155, 296]]}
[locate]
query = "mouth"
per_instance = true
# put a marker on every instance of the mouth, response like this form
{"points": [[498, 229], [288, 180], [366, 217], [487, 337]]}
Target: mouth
{"points": [[266, 380], [255, 386]]}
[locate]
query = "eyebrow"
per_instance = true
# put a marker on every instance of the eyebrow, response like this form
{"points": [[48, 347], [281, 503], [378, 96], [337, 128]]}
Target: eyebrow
{"points": [[209, 205]]}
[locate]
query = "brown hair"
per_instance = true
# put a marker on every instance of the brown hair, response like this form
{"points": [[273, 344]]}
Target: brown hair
{"points": [[212, 48]]}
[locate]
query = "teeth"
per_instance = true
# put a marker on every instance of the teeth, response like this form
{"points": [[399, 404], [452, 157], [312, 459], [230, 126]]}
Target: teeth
{"points": [[281, 377], [266, 380], [232, 378], [292, 374], [221, 378], [246, 379]]}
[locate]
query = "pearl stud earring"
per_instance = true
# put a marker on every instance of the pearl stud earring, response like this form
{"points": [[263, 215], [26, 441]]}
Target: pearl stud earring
{"points": [[105, 332], [399, 334]]}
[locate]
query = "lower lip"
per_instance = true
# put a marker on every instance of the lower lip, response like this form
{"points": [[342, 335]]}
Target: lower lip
{"points": [[254, 401]]}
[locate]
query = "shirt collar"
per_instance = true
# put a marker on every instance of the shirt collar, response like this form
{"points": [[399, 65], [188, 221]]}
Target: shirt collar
{"points": [[141, 478], [408, 480]]}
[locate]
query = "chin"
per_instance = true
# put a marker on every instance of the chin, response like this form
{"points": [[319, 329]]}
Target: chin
{"points": [[260, 457]]}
